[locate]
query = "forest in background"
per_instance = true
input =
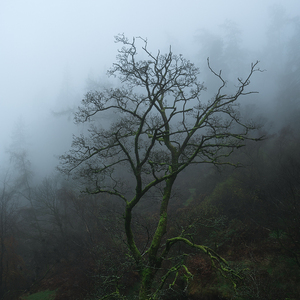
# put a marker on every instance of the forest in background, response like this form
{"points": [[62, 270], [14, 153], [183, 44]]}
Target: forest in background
{"points": [[55, 238]]}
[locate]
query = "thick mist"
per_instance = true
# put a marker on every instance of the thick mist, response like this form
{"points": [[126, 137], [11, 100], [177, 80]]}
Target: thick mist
{"points": [[52, 52], [92, 210]]}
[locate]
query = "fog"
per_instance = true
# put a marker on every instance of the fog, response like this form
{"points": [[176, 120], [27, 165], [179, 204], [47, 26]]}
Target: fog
{"points": [[50, 49], [62, 229]]}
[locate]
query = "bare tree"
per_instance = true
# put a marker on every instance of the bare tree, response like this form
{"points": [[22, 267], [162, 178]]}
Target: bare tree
{"points": [[161, 127]]}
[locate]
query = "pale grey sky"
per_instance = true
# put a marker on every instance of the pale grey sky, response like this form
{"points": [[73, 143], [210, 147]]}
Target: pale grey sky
{"points": [[39, 40]]}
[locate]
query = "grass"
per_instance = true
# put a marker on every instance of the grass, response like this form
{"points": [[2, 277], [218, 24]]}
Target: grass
{"points": [[44, 295]]}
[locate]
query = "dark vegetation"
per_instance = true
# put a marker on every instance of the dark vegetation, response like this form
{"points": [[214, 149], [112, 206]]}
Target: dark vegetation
{"points": [[75, 245], [58, 243]]}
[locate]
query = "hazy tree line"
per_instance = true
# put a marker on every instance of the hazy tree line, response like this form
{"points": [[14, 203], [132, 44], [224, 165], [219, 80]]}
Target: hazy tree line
{"points": [[50, 226]]}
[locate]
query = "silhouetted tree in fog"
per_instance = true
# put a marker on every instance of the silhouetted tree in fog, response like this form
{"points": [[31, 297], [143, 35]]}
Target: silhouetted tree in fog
{"points": [[162, 126]]}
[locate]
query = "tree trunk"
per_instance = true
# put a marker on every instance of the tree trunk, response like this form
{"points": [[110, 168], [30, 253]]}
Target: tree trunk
{"points": [[148, 274], [147, 281]]}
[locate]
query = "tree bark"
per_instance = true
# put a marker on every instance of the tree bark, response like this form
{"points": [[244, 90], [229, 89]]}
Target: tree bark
{"points": [[146, 284]]}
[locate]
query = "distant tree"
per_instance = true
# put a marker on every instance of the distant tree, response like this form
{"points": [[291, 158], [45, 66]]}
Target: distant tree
{"points": [[162, 126], [10, 275], [66, 96], [288, 78], [225, 51], [22, 170]]}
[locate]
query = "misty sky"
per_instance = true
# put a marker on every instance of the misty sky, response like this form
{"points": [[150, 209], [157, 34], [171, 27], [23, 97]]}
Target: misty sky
{"points": [[45, 43]]}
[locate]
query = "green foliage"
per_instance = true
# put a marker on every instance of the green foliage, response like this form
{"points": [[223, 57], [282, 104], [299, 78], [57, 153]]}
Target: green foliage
{"points": [[277, 234], [43, 295]]}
